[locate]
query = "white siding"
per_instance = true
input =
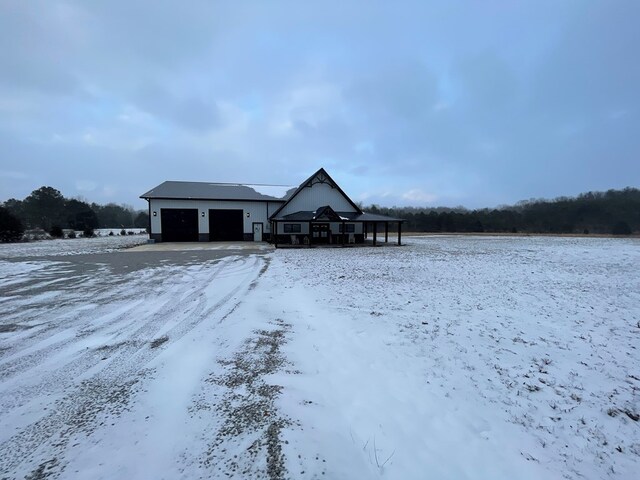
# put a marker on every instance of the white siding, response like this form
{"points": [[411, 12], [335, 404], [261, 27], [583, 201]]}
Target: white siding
{"points": [[257, 212], [319, 195]]}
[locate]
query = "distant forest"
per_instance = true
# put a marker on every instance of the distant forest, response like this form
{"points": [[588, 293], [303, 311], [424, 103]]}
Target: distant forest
{"points": [[48, 209], [612, 212]]}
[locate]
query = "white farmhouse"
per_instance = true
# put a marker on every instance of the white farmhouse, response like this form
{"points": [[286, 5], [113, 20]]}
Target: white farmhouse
{"points": [[317, 212]]}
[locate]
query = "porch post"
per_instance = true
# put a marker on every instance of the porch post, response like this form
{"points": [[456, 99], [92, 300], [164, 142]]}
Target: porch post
{"points": [[375, 233], [386, 232], [310, 235], [275, 233], [343, 233], [399, 233]]}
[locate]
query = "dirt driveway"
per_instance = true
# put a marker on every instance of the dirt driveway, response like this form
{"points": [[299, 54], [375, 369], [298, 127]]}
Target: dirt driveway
{"points": [[101, 350]]}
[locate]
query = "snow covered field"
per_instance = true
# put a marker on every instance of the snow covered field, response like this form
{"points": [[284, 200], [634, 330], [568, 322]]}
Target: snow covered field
{"points": [[451, 357], [70, 246]]}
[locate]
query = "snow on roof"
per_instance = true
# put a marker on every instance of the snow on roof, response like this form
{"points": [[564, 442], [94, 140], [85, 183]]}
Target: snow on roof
{"points": [[277, 191]]}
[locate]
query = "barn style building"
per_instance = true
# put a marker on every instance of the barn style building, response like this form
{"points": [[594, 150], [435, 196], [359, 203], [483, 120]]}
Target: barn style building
{"points": [[317, 212]]}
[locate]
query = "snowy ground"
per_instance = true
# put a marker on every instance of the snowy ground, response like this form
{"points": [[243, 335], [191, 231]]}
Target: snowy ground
{"points": [[69, 246], [451, 357]]}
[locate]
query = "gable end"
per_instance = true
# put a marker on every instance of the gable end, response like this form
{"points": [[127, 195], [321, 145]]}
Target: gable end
{"points": [[321, 177]]}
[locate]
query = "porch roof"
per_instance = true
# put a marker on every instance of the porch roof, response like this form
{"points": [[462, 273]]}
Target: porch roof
{"points": [[353, 217]]}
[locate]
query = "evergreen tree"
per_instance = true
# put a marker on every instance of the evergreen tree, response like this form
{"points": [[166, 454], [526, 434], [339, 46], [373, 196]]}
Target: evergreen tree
{"points": [[43, 208], [11, 228]]}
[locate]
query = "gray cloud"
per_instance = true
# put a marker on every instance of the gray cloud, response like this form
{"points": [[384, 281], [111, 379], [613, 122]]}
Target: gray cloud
{"points": [[188, 111], [474, 103]]}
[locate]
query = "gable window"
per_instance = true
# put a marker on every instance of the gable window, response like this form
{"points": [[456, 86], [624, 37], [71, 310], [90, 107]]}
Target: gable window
{"points": [[349, 228], [292, 228]]}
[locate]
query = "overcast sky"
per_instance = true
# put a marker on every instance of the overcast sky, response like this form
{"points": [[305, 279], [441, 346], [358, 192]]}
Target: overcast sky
{"points": [[474, 103]]}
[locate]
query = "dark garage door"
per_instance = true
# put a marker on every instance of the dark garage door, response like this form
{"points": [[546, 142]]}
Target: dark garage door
{"points": [[226, 225], [179, 224]]}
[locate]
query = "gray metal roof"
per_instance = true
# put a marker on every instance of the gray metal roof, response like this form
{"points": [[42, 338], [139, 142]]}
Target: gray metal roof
{"points": [[210, 191]]}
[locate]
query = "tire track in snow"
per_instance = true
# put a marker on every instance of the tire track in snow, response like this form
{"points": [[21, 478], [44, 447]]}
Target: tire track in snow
{"points": [[107, 391], [71, 317], [64, 376], [22, 358]]}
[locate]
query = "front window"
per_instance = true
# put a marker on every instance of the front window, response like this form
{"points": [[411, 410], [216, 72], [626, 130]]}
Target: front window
{"points": [[292, 228], [349, 228]]}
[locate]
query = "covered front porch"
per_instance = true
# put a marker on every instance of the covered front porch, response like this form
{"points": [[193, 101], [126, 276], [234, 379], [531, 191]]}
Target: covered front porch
{"points": [[324, 226]]}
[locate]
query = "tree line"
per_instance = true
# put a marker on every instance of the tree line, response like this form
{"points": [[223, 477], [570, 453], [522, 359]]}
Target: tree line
{"points": [[612, 212], [47, 209]]}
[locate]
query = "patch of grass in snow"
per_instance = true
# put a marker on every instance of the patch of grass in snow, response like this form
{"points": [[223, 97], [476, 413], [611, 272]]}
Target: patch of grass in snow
{"points": [[44, 470], [159, 341], [111, 347], [13, 327], [249, 408], [629, 412]]}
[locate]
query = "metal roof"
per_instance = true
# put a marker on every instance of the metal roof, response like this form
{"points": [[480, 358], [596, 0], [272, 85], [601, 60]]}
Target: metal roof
{"points": [[211, 191]]}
